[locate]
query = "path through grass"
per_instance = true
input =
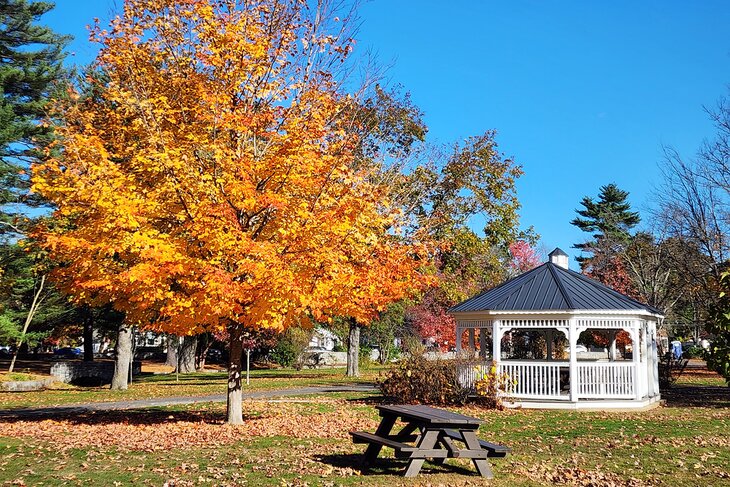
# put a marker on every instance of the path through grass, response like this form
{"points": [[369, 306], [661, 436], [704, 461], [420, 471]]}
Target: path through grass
{"points": [[169, 385]]}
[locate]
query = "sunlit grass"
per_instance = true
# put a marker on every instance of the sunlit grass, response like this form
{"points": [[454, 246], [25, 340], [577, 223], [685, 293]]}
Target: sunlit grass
{"points": [[677, 446]]}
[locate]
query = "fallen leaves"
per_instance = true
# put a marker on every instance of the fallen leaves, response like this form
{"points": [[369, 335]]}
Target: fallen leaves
{"points": [[153, 432], [562, 475], [304, 441]]}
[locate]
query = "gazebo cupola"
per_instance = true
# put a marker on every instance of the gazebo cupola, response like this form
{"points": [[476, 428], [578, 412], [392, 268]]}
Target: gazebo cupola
{"points": [[534, 323]]}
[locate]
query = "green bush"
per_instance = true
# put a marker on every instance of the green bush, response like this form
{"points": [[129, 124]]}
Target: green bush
{"points": [[364, 356], [418, 380], [284, 354], [694, 352], [289, 351]]}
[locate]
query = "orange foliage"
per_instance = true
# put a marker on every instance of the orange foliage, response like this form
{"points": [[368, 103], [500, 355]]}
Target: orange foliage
{"points": [[206, 177]]}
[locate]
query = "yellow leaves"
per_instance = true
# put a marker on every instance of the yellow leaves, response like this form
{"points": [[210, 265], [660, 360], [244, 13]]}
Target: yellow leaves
{"points": [[209, 181]]}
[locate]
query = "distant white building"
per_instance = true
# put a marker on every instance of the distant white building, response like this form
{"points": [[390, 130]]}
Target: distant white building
{"points": [[323, 338]]}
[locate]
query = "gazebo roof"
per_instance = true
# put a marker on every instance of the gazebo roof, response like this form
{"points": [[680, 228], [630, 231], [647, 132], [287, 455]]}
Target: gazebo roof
{"points": [[550, 287]]}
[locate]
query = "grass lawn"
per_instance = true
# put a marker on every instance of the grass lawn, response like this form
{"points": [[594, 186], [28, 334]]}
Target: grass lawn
{"points": [[169, 385], [18, 376], [304, 441]]}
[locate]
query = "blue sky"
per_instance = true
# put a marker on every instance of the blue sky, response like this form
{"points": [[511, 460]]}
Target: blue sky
{"points": [[581, 93]]}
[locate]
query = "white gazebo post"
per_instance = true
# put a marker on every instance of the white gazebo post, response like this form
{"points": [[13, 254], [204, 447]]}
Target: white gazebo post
{"points": [[653, 366], [635, 355], [459, 332], [573, 366], [643, 359], [496, 343]]}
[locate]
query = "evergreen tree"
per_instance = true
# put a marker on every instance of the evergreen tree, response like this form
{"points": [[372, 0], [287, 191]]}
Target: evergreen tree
{"points": [[19, 285], [31, 58], [610, 219], [30, 63]]}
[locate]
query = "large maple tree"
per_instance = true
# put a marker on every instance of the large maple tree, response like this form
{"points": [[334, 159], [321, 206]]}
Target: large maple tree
{"points": [[206, 178]]}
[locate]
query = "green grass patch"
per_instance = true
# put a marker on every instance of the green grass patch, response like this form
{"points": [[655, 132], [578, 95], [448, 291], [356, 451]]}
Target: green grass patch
{"points": [[18, 377], [675, 445]]}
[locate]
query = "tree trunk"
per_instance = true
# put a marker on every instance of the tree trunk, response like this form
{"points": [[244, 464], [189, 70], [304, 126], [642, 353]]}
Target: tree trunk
{"points": [[187, 354], [353, 349], [123, 357], [88, 334], [37, 300], [173, 342], [235, 393], [204, 342]]}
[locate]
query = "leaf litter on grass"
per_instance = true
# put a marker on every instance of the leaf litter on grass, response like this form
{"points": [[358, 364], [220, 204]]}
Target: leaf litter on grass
{"points": [[159, 430]]}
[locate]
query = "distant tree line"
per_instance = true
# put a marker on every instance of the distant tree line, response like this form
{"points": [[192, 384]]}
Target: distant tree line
{"points": [[678, 262]]}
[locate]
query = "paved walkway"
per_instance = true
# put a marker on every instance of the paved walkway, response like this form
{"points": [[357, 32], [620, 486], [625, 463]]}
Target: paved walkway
{"points": [[27, 413]]}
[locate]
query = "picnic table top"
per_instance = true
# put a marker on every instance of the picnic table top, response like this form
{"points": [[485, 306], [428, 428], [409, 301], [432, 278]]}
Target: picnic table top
{"points": [[428, 414]]}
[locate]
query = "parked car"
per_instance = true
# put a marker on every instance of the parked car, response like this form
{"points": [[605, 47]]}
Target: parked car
{"points": [[68, 352], [214, 356], [578, 349]]}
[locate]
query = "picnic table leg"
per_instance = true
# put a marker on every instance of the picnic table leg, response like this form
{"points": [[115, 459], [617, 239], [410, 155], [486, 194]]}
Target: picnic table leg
{"points": [[428, 442], [446, 444], [407, 431], [482, 464], [386, 424]]}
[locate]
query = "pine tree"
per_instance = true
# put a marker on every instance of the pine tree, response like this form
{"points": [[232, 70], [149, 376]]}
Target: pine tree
{"points": [[31, 58], [30, 63], [610, 219]]}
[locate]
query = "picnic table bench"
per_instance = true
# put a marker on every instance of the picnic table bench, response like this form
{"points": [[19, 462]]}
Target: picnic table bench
{"points": [[429, 433]]}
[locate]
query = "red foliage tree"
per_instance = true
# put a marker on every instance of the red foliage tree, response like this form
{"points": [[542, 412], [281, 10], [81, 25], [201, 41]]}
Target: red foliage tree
{"points": [[523, 257], [432, 322]]}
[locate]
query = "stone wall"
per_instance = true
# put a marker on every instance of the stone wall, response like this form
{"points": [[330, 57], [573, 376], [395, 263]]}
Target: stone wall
{"points": [[25, 385], [325, 359], [72, 370]]}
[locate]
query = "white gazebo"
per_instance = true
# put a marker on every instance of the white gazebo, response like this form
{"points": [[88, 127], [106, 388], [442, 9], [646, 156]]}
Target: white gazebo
{"points": [[533, 323]]}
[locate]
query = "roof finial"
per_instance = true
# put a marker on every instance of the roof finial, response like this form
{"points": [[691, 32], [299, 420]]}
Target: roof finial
{"points": [[559, 258]]}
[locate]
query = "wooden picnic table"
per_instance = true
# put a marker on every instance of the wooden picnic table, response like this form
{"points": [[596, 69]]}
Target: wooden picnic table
{"points": [[429, 433]]}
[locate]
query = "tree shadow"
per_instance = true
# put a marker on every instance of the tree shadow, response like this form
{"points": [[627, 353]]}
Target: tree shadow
{"points": [[173, 379], [369, 400], [387, 466], [147, 416], [697, 396], [190, 382]]}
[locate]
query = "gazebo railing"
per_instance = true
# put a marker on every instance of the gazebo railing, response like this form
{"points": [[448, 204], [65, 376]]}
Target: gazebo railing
{"points": [[613, 380], [527, 379], [536, 380]]}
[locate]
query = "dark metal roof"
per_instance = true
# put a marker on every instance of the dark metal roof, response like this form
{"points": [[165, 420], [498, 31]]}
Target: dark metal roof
{"points": [[548, 288], [557, 252]]}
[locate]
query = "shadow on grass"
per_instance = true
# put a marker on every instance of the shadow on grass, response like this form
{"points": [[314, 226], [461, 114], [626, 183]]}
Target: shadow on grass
{"points": [[171, 378], [147, 416], [697, 396], [222, 376], [197, 382], [387, 466], [370, 400]]}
